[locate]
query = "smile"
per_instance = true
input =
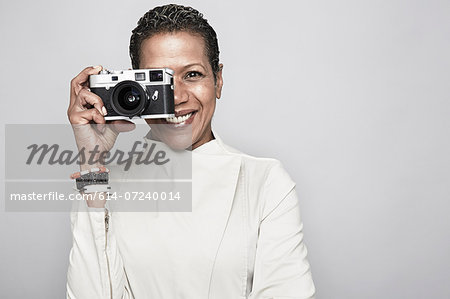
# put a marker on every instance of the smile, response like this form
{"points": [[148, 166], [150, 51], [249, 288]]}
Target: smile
{"points": [[182, 119]]}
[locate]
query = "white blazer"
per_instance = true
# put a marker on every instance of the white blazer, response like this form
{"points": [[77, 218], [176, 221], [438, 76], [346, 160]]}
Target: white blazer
{"points": [[243, 239]]}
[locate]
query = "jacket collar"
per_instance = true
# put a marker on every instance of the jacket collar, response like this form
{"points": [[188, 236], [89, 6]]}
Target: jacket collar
{"points": [[212, 147]]}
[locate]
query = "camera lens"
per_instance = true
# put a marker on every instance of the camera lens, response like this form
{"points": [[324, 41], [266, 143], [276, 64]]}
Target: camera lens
{"points": [[128, 98]]}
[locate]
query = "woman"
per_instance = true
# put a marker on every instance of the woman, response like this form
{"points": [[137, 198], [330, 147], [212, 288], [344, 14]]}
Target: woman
{"points": [[243, 238]]}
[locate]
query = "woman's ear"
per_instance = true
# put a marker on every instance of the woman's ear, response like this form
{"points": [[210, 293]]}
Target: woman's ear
{"points": [[219, 82]]}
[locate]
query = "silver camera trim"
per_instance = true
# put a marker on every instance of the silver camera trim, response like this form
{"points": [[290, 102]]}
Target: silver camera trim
{"points": [[104, 78]]}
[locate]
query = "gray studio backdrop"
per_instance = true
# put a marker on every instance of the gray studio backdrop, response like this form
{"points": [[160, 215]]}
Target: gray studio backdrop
{"points": [[352, 96]]}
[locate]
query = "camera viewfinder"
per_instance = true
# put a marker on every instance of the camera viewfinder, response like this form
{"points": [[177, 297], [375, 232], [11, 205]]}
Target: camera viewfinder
{"points": [[156, 76]]}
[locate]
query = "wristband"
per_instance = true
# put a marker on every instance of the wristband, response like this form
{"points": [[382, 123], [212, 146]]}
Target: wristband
{"points": [[98, 176]]}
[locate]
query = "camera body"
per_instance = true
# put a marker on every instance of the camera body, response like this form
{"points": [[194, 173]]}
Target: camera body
{"points": [[142, 93]]}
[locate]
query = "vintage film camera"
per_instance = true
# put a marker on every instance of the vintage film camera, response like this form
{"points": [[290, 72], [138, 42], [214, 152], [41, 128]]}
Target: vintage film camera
{"points": [[144, 93]]}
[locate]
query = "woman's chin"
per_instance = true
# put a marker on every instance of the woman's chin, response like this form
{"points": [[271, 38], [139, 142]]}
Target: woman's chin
{"points": [[180, 142], [177, 138]]}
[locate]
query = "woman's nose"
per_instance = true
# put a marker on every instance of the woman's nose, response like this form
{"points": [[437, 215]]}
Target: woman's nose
{"points": [[180, 93]]}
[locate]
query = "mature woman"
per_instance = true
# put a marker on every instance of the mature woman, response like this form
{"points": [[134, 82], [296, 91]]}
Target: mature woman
{"points": [[243, 238]]}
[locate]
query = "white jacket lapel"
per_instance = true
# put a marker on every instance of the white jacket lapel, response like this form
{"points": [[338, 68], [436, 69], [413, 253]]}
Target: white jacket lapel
{"points": [[214, 184]]}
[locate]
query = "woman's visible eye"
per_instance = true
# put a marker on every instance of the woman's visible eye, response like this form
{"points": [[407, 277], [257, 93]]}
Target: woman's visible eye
{"points": [[193, 75]]}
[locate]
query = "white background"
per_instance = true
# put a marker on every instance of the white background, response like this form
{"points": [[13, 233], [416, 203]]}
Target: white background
{"points": [[352, 96]]}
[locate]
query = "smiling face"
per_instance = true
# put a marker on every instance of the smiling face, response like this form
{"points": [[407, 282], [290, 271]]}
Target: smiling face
{"points": [[195, 89]]}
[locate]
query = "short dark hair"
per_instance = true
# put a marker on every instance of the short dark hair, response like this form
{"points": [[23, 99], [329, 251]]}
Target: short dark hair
{"points": [[172, 18]]}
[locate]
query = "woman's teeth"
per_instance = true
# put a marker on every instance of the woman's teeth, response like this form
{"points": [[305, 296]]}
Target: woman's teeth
{"points": [[179, 119]]}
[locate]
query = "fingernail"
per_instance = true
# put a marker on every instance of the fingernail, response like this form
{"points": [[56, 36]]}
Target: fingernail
{"points": [[98, 67], [104, 111]]}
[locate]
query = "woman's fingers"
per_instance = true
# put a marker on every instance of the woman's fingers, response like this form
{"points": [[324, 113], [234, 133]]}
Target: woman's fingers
{"points": [[81, 99], [87, 97], [81, 80], [86, 116]]}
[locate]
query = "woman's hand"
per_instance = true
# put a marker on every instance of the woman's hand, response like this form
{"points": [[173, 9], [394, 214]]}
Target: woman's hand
{"points": [[84, 105], [87, 113]]}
